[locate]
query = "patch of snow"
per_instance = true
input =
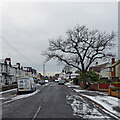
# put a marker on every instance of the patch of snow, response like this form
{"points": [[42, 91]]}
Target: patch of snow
{"points": [[78, 90], [95, 116], [46, 84], [83, 109], [71, 85], [37, 84], [7, 91], [26, 95], [22, 96], [1, 98], [107, 102], [67, 83]]}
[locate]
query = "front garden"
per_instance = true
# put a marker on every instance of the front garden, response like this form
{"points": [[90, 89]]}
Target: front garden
{"points": [[94, 82]]}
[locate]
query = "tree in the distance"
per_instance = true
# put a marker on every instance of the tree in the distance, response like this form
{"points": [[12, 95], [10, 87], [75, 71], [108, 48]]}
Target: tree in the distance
{"points": [[81, 48]]}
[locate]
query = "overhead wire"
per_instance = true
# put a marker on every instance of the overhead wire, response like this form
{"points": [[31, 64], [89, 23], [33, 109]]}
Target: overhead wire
{"points": [[17, 51]]}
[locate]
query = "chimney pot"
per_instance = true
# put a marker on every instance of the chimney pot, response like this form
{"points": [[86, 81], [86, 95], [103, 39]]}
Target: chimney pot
{"points": [[96, 63], [113, 60]]}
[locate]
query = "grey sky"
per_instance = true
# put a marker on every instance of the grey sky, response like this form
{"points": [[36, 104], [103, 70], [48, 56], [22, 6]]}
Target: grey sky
{"points": [[28, 27]]}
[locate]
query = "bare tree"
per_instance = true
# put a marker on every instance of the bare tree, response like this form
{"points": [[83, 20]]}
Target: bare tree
{"points": [[81, 48]]}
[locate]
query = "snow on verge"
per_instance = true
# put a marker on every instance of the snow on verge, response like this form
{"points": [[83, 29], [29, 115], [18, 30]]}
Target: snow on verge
{"points": [[71, 85], [83, 109], [108, 102], [77, 90], [22, 96], [7, 91]]}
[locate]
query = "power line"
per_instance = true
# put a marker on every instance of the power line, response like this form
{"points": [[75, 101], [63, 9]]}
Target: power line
{"points": [[23, 56]]}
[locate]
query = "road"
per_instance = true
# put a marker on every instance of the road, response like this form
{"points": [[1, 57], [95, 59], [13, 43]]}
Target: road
{"points": [[52, 101]]}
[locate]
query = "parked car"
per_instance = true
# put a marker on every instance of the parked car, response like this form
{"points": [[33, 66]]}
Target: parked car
{"points": [[26, 84], [42, 82], [56, 81], [61, 82]]}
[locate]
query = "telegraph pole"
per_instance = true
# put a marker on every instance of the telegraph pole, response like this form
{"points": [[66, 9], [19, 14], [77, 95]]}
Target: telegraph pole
{"points": [[44, 69]]}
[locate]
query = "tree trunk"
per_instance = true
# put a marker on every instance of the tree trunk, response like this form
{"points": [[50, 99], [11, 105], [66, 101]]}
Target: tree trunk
{"points": [[84, 78]]}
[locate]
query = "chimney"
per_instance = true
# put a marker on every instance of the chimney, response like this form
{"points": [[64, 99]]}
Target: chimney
{"points": [[8, 59], [96, 63], [113, 60], [18, 64]]}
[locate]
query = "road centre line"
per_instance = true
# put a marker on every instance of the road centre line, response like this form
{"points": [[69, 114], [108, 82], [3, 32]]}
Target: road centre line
{"points": [[35, 115]]}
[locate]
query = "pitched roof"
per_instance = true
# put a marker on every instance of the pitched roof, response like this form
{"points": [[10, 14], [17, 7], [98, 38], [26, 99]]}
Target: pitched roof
{"points": [[98, 68], [114, 64]]}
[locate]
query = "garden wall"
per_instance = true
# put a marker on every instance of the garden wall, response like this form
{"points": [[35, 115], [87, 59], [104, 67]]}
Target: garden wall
{"points": [[100, 86], [93, 87], [105, 87]]}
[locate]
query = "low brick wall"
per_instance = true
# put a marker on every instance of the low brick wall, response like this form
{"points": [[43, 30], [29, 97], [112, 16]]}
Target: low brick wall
{"points": [[112, 92], [81, 84], [93, 87], [100, 86], [105, 87]]}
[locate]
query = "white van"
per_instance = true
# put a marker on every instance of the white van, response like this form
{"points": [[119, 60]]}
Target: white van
{"points": [[26, 84]]}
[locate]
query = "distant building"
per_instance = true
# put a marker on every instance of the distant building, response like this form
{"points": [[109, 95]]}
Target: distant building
{"points": [[56, 76]]}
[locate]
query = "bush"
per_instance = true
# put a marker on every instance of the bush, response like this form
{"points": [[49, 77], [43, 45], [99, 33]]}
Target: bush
{"points": [[91, 76]]}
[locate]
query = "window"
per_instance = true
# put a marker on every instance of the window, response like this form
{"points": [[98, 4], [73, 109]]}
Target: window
{"points": [[21, 81]]}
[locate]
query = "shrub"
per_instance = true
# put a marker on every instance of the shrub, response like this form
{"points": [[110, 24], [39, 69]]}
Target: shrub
{"points": [[91, 76]]}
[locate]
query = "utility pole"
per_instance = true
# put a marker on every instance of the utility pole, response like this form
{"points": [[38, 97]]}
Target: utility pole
{"points": [[43, 69]]}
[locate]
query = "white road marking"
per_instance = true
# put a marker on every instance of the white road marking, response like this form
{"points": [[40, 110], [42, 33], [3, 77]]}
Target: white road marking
{"points": [[35, 115]]}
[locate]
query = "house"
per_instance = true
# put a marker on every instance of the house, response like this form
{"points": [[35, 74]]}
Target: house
{"points": [[99, 69], [11, 73], [108, 70], [5, 65], [114, 69], [1, 70], [74, 74]]}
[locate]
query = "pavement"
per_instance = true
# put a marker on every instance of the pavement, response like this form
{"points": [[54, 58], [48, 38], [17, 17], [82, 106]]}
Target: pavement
{"points": [[109, 103], [7, 87], [52, 101]]}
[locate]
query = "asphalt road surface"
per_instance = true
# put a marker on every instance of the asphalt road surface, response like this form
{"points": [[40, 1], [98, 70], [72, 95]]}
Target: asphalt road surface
{"points": [[50, 102]]}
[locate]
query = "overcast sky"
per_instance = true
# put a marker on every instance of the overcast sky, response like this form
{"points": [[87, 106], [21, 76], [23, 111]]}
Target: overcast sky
{"points": [[28, 26]]}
